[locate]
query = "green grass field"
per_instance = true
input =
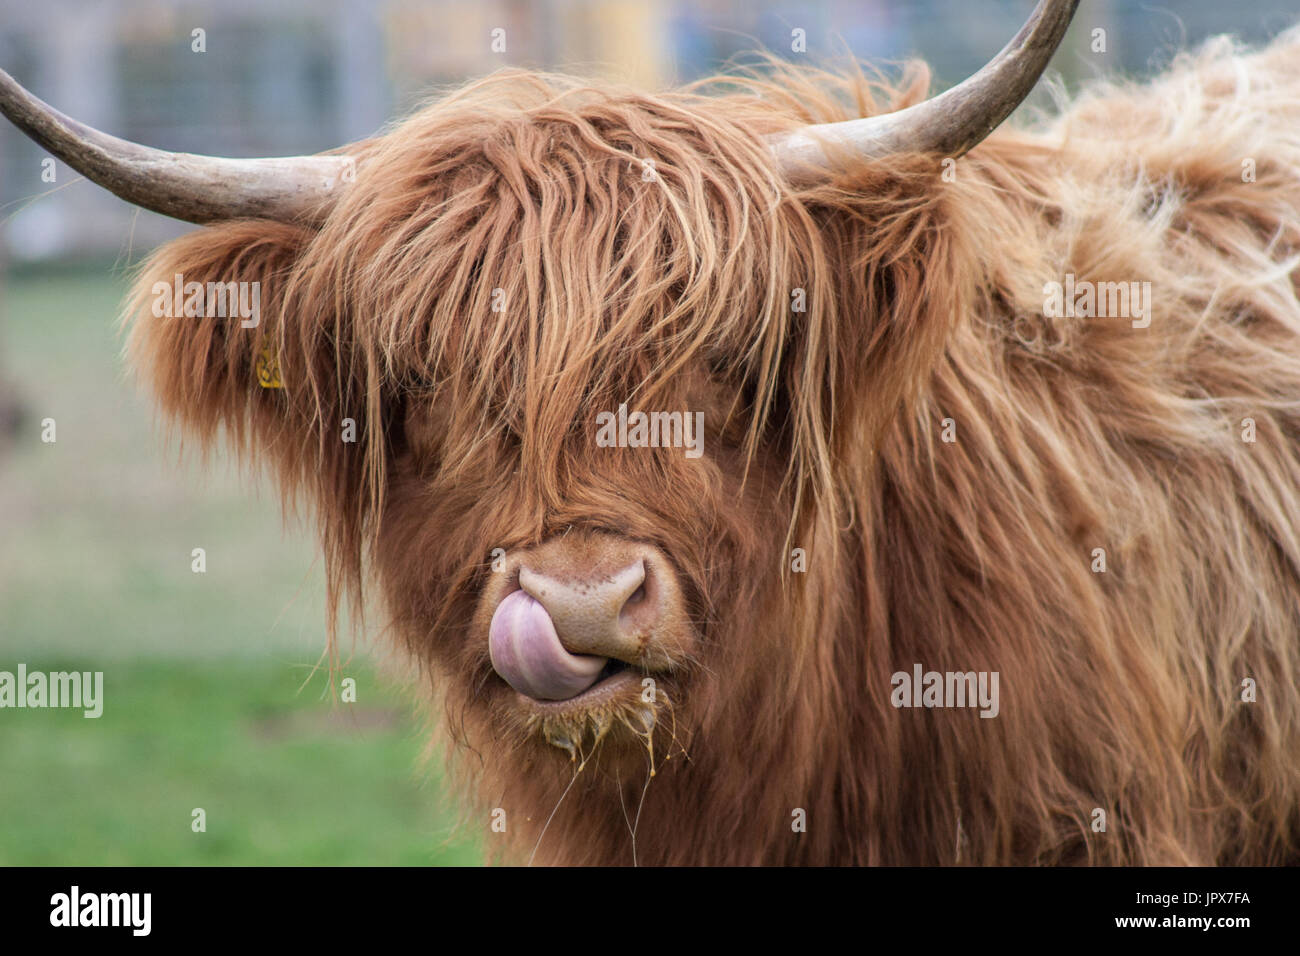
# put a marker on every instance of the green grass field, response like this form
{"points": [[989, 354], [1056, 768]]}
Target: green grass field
{"points": [[209, 696]]}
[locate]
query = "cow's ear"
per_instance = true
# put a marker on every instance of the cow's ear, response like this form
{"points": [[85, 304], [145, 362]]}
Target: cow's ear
{"points": [[273, 372], [902, 262], [199, 353]]}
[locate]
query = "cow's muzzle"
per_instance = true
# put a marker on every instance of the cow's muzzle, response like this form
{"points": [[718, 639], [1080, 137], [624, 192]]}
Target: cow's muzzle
{"points": [[576, 614]]}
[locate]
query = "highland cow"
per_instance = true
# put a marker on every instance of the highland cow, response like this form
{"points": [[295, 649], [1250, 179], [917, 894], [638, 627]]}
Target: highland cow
{"points": [[912, 462]]}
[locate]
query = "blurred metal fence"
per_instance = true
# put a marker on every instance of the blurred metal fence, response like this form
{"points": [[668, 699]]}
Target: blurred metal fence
{"points": [[293, 76]]}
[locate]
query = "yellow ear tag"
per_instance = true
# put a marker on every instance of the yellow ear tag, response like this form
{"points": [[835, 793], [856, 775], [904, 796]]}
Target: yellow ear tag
{"points": [[268, 369]]}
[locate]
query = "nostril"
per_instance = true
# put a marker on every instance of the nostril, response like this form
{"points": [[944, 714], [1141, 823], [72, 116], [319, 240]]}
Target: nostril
{"points": [[637, 615]]}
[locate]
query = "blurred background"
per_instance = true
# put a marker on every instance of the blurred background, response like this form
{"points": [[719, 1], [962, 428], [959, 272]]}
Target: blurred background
{"points": [[212, 696]]}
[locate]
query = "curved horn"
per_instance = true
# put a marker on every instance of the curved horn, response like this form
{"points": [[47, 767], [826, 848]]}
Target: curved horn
{"points": [[949, 124], [182, 185]]}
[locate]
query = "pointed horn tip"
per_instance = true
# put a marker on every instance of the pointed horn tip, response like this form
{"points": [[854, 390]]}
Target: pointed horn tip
{"points": [[186, 186], [949, 124]]}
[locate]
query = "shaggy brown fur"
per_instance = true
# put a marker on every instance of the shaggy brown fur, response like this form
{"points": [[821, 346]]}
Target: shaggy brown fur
{"points": [[1120, 690]]}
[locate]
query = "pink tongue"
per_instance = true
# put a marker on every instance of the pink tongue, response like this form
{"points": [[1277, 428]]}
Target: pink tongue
{"points": [[527, 652]]}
